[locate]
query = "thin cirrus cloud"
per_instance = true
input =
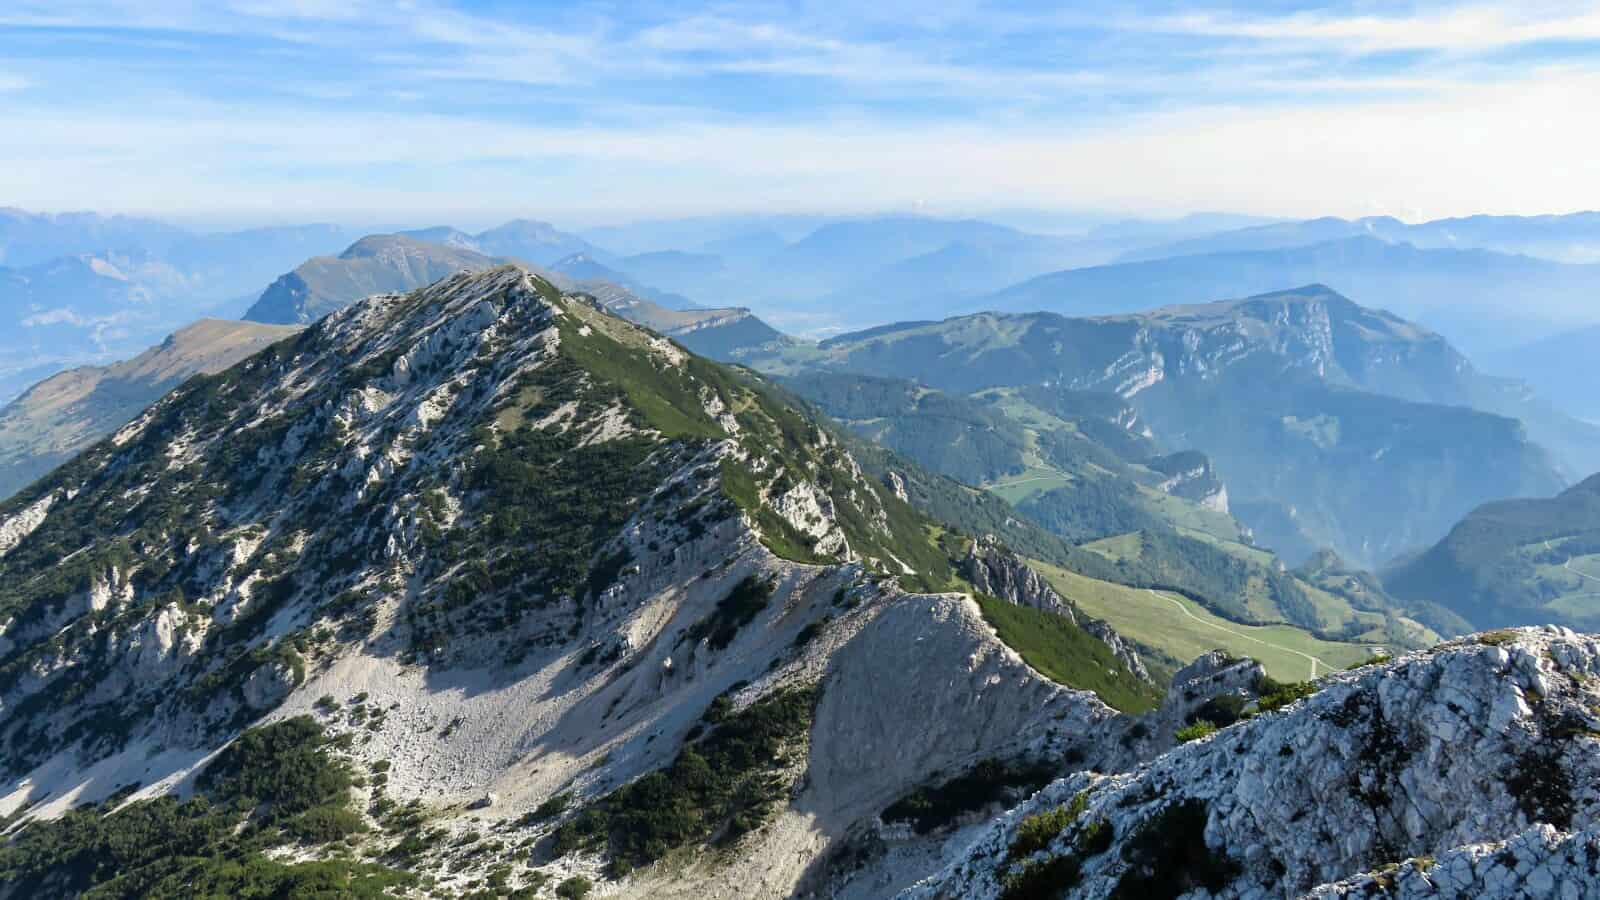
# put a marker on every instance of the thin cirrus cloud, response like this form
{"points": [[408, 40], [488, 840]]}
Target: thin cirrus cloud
{"points": [[403, 108], [1464, 28]]}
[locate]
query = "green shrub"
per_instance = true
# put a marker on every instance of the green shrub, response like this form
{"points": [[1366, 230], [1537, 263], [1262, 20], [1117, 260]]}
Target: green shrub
{"points": [[1095, 837], [285, 765], [1035, 832], [1042, 879], [1167, 856], [1375, 659], [1195, 731], [719, 787], [738, 609], [273, 784], [1496, 638], [1274, 695], [932, 806], [1222, 710], [322, 824], [575, 888], [552, 806]]}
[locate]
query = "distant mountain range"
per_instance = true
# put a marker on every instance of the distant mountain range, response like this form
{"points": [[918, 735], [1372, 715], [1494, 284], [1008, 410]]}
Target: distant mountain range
{"points": [[1482, 300], [90, 288], [1345, 421], [1568, 238], [537, 242]]}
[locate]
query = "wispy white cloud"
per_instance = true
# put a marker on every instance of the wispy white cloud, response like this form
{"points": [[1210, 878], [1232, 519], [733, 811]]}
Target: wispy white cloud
{"points": [[10, 84], [822, 105], [1420, 157], [1466, 28]]}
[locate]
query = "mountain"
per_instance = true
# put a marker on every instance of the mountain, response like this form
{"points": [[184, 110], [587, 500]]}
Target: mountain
{"points": [[1428, 776], [537, 242], [481, 588], [1558, 368], [393, 263], [1515, 561], [1462, 293], [1301, 398], [64, 414], [1564, 238], [446, 235], [375, 264], [1275, 236], [481, 583]]}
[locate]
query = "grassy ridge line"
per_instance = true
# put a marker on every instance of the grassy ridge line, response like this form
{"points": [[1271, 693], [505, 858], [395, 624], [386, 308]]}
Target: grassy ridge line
{"points": [[1149, 618], [1066, 654]]}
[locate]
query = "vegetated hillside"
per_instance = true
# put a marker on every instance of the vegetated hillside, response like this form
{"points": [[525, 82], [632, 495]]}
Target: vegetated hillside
{"points": [[1082, 464], [1515, 562], [1299, 398], [1463, 293], [1156, 545], [559, 599], [64, 414], [380, 263], [1463, 771]]}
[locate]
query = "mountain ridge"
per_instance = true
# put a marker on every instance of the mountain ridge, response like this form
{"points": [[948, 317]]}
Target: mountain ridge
{"points": [[545, 553]]}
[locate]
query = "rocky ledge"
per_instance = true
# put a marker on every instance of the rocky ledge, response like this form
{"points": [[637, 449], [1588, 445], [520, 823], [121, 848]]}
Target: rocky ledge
{"points": [[1478, 761]]}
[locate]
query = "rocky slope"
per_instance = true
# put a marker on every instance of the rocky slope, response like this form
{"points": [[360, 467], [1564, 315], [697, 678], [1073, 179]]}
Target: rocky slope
{"points": [[540, 575], [65, 413], [1475, 760]]}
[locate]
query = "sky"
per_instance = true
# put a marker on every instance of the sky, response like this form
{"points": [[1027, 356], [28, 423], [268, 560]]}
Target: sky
{"points": [[587, 112]]}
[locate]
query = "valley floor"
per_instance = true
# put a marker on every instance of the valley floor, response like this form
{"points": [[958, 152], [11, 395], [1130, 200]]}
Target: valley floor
{"points": [[1185, 629]]}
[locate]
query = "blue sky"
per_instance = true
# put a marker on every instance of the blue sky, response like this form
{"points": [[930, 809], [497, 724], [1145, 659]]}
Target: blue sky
{"points": [[294, 109]]}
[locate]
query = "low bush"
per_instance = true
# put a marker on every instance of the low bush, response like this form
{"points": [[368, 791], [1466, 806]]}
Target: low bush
{"points": [[1036, 832], [932, 806], [1274, 695], [718, 788]]}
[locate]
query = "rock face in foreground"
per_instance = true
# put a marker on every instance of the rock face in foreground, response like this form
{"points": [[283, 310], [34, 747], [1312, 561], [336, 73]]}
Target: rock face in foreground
{"points": [[1540, 862], [1464, 746]]}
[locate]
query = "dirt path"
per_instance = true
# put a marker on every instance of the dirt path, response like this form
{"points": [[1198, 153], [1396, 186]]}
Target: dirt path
{"points": [[1185, 610], [1568, 565]]}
